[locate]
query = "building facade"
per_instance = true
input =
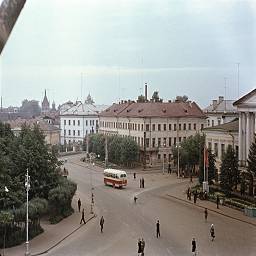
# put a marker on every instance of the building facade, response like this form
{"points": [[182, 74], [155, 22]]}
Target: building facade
{"points": [[220, 137], [156, 127], [246, 107], [77, 120], [221, 111]]}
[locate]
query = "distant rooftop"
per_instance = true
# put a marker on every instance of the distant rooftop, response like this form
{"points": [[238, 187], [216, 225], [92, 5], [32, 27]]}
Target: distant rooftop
{"points": [[232, 126], [221, 106]]}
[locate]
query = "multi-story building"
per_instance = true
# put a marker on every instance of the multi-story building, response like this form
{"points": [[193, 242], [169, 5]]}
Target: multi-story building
{"points": [[79, 119], [219, 137], [155, 126], [221, 111]]}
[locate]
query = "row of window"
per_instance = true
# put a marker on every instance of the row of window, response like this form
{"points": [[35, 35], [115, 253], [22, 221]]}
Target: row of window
{"points": [[68, 132], [154, 127], [78, 122], [208, 122], [222, 147]]}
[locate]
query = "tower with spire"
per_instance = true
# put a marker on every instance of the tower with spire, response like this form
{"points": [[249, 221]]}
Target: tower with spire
{"points": [[45, 104]]}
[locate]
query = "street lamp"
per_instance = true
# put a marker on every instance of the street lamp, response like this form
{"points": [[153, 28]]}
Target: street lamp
{"points": [[163, 158], [27, 186], [92, 196], [178, 147]]}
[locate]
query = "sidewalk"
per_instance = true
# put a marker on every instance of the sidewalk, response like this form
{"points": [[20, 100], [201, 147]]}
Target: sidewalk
{"points": [[179, 193], [54, 234]]}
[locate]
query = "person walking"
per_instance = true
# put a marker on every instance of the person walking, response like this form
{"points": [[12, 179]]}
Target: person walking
{"points": [[195, 197], [79, 204], [193, 246], [157, 229], [101, 224], [142, 246], [212, 232], [217, 201], [135, 199], [188, 191], [82, 218], [134, 175], [205, 214], [139, 247], [142, 181]]}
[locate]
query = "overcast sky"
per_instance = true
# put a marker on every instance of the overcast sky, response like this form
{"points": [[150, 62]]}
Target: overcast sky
{"points": [[114, 46]]}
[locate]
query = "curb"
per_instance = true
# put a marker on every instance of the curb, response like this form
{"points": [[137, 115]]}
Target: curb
{"points": [[53, 246], [223, 214]]}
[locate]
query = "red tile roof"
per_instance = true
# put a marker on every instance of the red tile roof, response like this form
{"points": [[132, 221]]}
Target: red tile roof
{"points": [[152, 109]]}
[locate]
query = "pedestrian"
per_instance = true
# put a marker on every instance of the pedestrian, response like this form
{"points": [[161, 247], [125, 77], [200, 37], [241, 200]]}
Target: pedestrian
{"points": [[191, 178], [189, 196], [139, 247], [193, 246], [79, 204], [157, 229], [183, 174], [169, 168], [212, 232], [82, 218], [188, 192], [101, 224], [195, 197], [142, 246], [218, 201], [135, 199], [134, 175], [142, 181], [205, 214]]}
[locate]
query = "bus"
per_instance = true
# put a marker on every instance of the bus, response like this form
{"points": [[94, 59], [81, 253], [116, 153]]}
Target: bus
{"points": [[115, 178]]}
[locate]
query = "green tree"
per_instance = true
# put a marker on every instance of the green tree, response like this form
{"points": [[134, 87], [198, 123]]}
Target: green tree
{"points": [[229, 171], [114, 149], [252, 165], [212, 170], [129, 151]]}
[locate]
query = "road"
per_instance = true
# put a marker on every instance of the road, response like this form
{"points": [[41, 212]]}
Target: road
{"points": [[125, 221]]}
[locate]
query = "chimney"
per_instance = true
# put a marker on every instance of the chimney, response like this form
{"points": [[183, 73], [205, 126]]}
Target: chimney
{"points": [[146, 92], [221, 98], [214, 103]]}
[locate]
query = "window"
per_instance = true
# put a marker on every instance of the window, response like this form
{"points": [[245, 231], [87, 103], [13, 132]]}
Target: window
{"points": [[86, 123], [69, 122], [159, 127], [175, 127], [179, 139], [164, 156], [147, 127], [189, 126], [142, 127], [138, 127], [170, 142], [174, 141], [208, 122], [184, 138], [78, 132], [64, 122], [74, 132], [219, 121], [139, 140], [222, 149], [159, 142], [92, 122], [159, 156], [78, 122], [170, 127], [210, 145], [153, 127], [74, 122], [69, 132], [164, 127], [135, 127], [64, 132], [153, 142], [147, 142], [216, 149], [194, 126], [164, 143], [179, 127], [212, 122], [202, 126], [142, 142]]}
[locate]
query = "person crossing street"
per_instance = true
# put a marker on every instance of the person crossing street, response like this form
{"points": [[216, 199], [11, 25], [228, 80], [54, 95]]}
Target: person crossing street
{"points": [[82, 218], [101, 224]]}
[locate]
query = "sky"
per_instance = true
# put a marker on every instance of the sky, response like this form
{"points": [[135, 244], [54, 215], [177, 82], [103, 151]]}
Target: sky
{"points": [[111, 48]]}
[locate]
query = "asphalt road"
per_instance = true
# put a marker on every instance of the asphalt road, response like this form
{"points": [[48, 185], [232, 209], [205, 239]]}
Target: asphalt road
{"points": [[125, 222]]}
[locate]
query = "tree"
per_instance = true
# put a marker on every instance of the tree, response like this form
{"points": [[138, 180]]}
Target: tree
{"points": [[212, 170], [129, 151], [229, 171], [183, 98], [252, 165]]}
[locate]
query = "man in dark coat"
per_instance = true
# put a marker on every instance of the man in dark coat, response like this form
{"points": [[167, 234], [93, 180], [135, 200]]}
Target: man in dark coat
{"points": [[79, 204], [194, 246], [142, 246], [205, 214], [134, 175], [157, 229], [139, 247], [142, 181], [82, 218], [101, 224], [218, 201]]}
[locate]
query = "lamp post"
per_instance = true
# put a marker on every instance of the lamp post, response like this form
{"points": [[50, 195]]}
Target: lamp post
{"points": [[27, 186], [178, 160], [163, 158]]}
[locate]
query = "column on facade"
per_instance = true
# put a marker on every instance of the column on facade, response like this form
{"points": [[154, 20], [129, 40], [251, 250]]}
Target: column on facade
{"points": [[252, 126], [243, 137]]}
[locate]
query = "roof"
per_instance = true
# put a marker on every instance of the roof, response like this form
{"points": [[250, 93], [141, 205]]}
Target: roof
{"points": [[45, 100], [245, 97], [114, 171], [232, 126], [154, 109], [220, 107], [84, 109], [44, 126]]}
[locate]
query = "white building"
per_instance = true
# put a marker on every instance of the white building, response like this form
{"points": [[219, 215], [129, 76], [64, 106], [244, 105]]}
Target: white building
{"points": [[79, 119], [221, 111], [246, 107], [219, 137], [156, 127]]}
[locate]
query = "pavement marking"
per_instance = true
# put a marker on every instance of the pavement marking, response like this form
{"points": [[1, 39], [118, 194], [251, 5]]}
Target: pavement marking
{"points": [[203, 207], [53, 246]]}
